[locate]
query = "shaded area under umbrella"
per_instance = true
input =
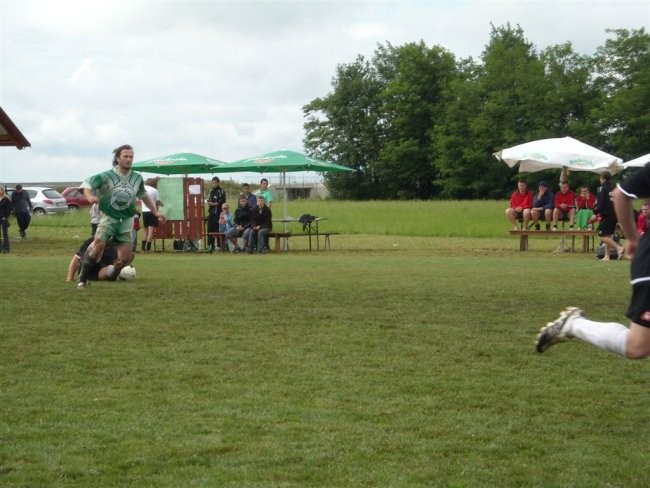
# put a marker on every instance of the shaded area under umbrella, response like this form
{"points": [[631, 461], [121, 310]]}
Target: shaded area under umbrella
{"points": [[280, 162]]}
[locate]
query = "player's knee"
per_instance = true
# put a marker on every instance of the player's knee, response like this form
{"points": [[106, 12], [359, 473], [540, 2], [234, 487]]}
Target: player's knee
{"points": [[637, 349], [633, 352]]}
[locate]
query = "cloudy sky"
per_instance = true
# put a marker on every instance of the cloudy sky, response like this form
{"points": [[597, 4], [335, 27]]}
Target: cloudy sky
{"points": [[226, 79]]}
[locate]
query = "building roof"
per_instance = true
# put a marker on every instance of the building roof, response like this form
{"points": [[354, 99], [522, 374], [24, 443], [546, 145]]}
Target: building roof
{"points": [[10, 135]]}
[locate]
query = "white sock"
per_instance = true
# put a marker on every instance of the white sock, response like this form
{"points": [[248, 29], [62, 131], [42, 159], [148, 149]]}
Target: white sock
{"points": [[110, 271], [610, 336]]}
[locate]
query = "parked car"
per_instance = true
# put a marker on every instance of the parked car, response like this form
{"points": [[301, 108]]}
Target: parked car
{"points": [[74, 196], [44, 200]]}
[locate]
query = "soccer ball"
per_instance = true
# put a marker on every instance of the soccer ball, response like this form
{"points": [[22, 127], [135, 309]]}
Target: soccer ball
{"points": [[127, 273]]}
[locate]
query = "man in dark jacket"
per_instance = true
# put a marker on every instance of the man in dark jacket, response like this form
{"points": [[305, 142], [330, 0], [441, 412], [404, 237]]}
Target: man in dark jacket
{"points": [[216, 199], [261, 225], [22, 209], [242, 223], [5, 212]]}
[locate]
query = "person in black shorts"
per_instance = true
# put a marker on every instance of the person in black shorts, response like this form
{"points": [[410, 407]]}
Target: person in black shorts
{"points": [[631, 342], [105, 269], [608, 221]]}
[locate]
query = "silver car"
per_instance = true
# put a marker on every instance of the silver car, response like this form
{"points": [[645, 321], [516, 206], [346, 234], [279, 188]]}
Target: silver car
{"points": [[45, 200]]}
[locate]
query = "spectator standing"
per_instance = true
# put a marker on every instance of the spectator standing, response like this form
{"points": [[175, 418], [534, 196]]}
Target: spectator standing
{"points": [[5, 212], [605, 208], [542, 205], [521, 201], [136, 228], [117, 191], [265, 192], [565, 206], [251, 199], [241, 223], [216, 199], [585, 205], [149, 220], [95, 217], [22, 207], [261, 225]]}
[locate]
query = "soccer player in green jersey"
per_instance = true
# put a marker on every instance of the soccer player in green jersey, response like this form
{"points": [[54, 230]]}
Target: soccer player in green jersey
{"points": [[116, 191]]}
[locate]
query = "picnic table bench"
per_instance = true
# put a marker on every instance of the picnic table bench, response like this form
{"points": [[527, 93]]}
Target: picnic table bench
{"points": [[587, 237], [286, 235], [278, 236]]}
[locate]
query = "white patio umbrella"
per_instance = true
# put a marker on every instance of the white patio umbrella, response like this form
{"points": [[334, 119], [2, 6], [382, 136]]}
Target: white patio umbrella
{"points": [[637, 162], [565, 153]]}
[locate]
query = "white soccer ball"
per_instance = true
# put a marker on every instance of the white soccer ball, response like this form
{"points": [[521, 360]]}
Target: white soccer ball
{"points": [[127, 273]]}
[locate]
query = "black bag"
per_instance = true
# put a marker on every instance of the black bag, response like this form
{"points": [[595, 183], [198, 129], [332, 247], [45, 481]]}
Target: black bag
{"points": [[600, 250], [306, 219]]}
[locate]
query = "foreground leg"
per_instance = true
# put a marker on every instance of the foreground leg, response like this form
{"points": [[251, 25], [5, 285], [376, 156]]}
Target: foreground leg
{"points": [[631, 343], [86, 267]]}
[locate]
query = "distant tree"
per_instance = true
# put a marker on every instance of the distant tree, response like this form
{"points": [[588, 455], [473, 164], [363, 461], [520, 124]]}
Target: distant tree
{"points": [[417, 123], [501, 104], [514, 95], [345, 127], [377, 120], [416, 78], [622, 74]]}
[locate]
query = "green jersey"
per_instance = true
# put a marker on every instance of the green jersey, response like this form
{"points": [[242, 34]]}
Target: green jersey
{"points": [[117, 193], [266, 194]]}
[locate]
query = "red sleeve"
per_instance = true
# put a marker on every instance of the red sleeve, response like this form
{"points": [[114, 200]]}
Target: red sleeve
{"points": [[641, 224]]}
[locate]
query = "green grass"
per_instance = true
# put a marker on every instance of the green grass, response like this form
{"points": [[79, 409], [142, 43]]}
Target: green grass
{"points": [[392, 360]]}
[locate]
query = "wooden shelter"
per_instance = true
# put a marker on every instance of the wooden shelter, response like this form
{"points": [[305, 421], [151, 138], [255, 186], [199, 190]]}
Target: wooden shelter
{"points": [[10, 135]]}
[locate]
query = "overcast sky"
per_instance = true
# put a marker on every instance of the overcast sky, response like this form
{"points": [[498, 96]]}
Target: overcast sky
{"points": [[226, 79]]}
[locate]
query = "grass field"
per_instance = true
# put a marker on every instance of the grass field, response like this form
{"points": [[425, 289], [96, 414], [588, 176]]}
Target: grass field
{"points": [[403, 357]]}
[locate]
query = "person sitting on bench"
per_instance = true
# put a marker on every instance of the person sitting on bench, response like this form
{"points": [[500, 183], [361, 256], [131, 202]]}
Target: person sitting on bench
{"points": [[542, 205], [242, 223], [261, 225], [565, 206], [521, 201]]}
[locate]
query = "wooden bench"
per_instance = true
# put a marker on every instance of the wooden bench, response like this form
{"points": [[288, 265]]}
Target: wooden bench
{"points": [[278, 239], [221, 239], [585, 234], [286, 235]]}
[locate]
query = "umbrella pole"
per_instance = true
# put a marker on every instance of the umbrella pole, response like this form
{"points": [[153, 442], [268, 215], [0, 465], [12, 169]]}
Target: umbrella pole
{"points": [[284, 189]]}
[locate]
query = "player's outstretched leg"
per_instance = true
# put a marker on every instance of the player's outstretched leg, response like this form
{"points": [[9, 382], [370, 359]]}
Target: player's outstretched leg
{"points": [[557, 331]]}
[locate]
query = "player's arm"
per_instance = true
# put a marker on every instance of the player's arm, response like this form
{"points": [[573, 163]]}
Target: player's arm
{"points": [[625, 215], [88, 193], [152, 205], [73, 267]]}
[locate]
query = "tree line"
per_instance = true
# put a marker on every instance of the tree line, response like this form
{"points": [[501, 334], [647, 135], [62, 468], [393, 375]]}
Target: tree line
{"points": [[417, 123]]}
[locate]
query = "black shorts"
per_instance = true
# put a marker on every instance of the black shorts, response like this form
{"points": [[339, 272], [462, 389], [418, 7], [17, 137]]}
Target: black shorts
{"points": [[639, 309], [607, 226], [149, 219]]}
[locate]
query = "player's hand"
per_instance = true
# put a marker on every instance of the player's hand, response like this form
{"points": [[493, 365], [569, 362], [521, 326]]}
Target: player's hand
{"points": [[161, 218]]}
